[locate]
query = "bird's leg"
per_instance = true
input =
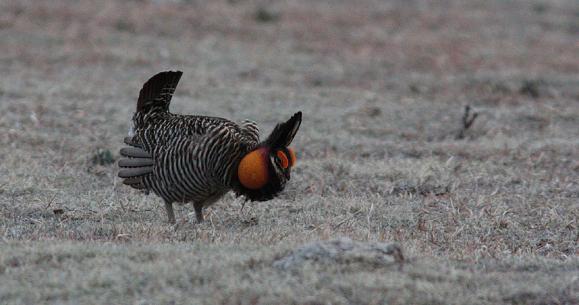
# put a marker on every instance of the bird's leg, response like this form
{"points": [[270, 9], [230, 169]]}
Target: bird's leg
{"points": [[170, 213], [198, 211]]}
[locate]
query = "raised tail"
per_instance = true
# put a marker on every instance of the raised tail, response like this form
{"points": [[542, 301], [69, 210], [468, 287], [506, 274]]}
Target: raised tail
{"points": [[156, 94]]}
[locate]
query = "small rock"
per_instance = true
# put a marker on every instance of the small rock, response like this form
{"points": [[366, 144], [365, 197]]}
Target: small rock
{"points": [[340, 251]]}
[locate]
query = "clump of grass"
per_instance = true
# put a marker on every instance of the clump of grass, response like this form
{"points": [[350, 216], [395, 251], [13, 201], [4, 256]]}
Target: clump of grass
{"points": [[531, 88], [540, 8], [125, 26], [102, 157], [265, 15]]}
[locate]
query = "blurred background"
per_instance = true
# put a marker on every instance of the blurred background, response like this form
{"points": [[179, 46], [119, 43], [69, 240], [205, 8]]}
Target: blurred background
{"points": [[450, 48]]}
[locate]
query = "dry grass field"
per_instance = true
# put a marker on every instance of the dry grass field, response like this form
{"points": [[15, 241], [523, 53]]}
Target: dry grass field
{"points": [[483, 215]]}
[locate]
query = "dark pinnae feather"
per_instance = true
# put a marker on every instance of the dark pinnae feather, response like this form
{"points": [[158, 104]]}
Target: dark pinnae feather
{"points": [[284, 133], [155, 96]]}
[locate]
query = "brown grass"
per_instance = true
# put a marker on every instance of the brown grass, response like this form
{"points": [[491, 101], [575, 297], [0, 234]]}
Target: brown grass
{"points": [[488, 219]]}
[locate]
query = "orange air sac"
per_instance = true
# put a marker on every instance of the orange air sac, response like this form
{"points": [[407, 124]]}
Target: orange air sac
{"points": [[292, 156], [283, 158], [252, 171]]}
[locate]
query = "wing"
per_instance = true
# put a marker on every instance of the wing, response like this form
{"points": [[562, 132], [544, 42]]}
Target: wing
{"points": [[251, 131], [166, 127], [185, 158]]}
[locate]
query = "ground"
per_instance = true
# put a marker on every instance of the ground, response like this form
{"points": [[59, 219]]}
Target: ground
{"points": [[483, 215]]}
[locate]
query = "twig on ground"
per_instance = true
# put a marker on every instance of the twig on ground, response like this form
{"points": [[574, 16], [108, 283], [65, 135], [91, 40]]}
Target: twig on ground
{"points": [[467, 121], [346, 219]]}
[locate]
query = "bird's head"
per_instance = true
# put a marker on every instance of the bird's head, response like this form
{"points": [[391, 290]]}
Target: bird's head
{"points": [[263, 172]]}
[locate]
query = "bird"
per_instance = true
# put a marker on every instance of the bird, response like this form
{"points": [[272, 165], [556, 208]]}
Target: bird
{"points": [[198, 159]]}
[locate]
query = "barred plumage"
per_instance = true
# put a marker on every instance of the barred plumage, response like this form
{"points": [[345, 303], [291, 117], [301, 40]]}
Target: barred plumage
{"points": [[189, 158]]}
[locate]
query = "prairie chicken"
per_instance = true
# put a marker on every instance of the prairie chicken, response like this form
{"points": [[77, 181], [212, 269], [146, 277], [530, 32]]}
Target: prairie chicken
{"points": [[190, 158]]}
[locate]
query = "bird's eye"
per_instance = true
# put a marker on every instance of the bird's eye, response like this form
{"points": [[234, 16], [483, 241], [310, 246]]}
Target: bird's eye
{"points": [[284, 162]]}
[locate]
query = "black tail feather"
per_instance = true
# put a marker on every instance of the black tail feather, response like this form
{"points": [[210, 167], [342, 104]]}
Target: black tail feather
{"points": [[156, 94]]}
